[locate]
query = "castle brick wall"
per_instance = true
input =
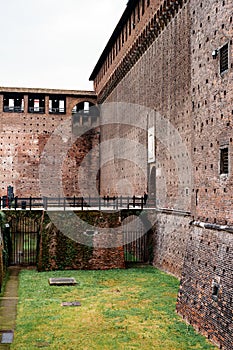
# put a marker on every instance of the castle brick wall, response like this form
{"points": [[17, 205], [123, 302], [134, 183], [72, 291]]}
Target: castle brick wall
{"points": [[159, 82], [208, 265], [170, 241], [71, 246], [171, 68], [23, 137], [211, 110]]}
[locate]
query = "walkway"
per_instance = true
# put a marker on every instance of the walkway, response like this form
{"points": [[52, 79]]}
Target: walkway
{"points": [[8, 309]]}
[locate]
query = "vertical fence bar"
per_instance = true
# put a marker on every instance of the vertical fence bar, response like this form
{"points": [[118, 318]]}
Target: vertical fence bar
{"points": [[45, 203], [16, 203]]}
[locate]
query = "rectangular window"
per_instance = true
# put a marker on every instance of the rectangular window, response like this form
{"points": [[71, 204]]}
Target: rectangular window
{"points": [[224, 161], [215, 291], [143, 7], [138, 7], [134, 19], [36, 103], [224, 59], [13, 102]]}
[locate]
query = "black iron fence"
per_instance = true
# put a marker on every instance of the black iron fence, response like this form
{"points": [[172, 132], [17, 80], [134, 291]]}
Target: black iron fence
{"points": [[136, 247], [79, 203], [24, 241]]}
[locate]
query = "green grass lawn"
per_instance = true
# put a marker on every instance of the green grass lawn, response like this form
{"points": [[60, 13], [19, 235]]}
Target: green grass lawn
{"points": [[120, 309]]}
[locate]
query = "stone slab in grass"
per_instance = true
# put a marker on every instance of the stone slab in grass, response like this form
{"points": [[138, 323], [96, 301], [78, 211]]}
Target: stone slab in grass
{"points": [[62, 281], [71, 303], [7, 337]]}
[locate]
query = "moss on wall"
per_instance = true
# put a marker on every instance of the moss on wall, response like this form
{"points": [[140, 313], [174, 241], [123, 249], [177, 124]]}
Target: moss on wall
{"points": [[59, 252]]}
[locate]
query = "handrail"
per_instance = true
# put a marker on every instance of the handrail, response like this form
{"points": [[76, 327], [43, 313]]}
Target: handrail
{"points": [[46, 203], [56, 110], [36, 109], [12, 109]]}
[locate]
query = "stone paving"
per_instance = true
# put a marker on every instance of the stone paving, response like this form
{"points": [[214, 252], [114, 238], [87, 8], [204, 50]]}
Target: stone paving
{"points": [[8, 307]]}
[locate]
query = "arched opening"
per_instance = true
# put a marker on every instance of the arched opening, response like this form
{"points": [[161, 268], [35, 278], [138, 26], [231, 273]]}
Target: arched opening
{"points": [[152, 183], [83, 111], [85, 108]]}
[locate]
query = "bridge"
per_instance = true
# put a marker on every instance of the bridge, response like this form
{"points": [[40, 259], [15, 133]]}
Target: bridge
{"points": [[76, 203]]}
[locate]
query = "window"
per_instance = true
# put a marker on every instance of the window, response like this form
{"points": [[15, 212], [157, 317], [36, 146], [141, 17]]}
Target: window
{"points": [[215, 291], [224, 59], [13, 102], [138, 11], [224, 161], [57, 104], [36, 103], [143, 7]]}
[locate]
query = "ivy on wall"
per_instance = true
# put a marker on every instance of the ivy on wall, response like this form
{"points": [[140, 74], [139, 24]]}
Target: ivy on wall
{"points": [[59, 252], [3, 250]]}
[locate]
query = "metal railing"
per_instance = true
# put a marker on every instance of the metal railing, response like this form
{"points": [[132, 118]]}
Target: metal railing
{"points": [[80, 203], [36, 109], [13, 109], [57, 110]]}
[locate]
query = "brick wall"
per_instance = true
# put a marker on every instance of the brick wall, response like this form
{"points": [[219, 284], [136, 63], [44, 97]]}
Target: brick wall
{"points": [[159, 82], [78, 250], [129, 29], [171, 235], [23, 137], [212, 109], [208, 264], [171, 71]]}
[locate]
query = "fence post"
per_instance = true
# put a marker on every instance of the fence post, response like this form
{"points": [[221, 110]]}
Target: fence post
{"points": [[45, 203], [74, 202], [134, 201], [82, 202], [16, 202], [64, 203], [30, 203], [142, 202]]}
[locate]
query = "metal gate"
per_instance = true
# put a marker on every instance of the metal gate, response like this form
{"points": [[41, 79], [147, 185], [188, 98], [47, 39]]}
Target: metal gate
{"points": [[24, 238], [136, 251], [135, 240]]}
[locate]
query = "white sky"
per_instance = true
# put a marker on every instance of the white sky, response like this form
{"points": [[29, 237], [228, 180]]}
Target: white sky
{"points": [[54, 43]]}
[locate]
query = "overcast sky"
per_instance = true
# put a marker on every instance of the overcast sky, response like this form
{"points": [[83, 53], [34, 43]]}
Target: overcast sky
{"points": [[54, 43]]}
